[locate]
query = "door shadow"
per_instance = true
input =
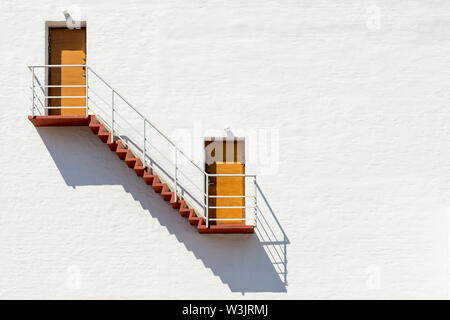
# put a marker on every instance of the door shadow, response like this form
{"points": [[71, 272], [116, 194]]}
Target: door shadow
{"points": [[244, 262]]}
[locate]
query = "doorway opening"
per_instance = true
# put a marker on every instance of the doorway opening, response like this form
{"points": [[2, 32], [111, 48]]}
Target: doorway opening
{"points": [[66, 86], [226, 194]]}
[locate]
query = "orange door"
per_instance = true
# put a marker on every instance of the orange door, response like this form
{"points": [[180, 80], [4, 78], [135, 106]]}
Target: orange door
{"points": [[67, 47], [228, 159]]}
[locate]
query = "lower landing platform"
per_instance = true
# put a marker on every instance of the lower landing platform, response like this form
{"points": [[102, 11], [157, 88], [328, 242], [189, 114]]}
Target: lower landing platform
{"points": [[226, 228], [59, 121]]}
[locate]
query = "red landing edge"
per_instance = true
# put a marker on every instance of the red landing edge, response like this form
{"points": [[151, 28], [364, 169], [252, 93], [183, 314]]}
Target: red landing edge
{"points": [[226, 228], [152, 180], [59, 121]]}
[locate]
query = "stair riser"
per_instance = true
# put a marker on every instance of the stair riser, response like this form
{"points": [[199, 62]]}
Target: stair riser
{"points": [[130, 163], [149, 181], [185, 214], [104, 137], [94, 129], [193, 221], [112, 146], [121, 154]]}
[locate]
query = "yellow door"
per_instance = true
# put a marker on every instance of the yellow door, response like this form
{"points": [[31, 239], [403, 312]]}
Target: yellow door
{"points": [[67, 47], [231, 161]]}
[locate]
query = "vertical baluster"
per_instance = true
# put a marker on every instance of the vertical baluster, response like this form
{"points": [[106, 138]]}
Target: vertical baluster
{"points": [[112, 116], [176, 173], [32, 86], [87, 88], [143, 148], [207, 200], [255, 200]]}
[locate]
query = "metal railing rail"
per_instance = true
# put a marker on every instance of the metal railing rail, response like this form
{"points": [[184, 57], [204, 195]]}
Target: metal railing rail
{"points": [[140, 150]]}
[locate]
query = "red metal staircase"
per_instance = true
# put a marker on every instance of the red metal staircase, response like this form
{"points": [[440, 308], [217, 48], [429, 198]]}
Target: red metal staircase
{"points": [[153, 180], [188, 197]]}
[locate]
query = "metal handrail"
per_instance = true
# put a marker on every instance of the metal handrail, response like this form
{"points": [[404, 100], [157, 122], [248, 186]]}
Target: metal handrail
{"points": [[148, 121], [56, 66], [231, 175], [62, 86], [112, 126]]}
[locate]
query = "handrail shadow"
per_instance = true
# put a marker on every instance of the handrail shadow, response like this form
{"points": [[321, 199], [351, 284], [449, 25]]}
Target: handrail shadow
{"points": [[246, 263], [272, 236]]}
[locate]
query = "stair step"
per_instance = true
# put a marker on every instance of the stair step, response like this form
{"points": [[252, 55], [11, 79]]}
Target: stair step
{"points": [[112, 145], [121, 151], [94, 128], [130, 159], [139, 168], [104, 136], [184, 210], [193, 219], [174, 204], [166, 193], [148, 178], [157, 186], [94, 125]]}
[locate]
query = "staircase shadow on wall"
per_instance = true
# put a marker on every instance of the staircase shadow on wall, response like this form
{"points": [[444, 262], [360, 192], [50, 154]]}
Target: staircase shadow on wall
{"points": [[245, 262]]}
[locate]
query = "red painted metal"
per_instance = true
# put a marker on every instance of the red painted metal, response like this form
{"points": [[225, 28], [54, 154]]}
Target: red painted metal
{"points": [[59, 121]]}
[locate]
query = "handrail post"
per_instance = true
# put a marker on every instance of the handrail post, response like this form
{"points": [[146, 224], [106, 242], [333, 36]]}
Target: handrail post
{"points": [[32, 85], [143, 148], [176, 173], [256, 201], [112, 116], [87, 88], [207, 200]]}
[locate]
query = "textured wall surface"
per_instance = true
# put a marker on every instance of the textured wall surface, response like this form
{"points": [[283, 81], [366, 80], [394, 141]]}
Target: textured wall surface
{"points": [[356, 92]]}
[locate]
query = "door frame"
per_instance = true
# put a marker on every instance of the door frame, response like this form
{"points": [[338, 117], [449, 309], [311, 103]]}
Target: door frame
{"points": [[223, 139], [48, 26]]}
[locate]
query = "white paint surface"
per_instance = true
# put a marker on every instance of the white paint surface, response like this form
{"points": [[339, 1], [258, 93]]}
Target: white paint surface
{"points": [[363, 181]]}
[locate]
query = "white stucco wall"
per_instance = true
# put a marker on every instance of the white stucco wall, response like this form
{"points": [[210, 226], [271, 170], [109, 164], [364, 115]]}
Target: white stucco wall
{"points": [[357, 91]]}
